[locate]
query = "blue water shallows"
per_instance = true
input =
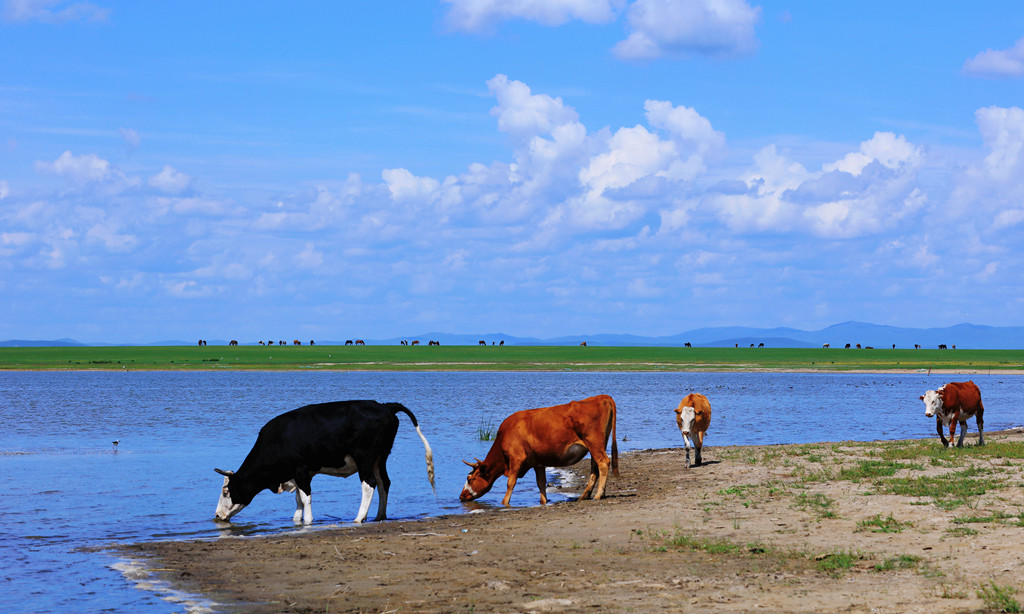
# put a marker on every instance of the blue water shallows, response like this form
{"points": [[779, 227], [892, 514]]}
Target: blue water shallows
{"points": [[68, 490]]}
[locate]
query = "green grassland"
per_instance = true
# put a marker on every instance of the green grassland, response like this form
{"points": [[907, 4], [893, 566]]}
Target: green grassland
{"points": [[501, 358]]}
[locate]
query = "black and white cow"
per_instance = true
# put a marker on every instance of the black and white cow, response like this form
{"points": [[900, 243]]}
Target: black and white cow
{"points": [[339, 438]]}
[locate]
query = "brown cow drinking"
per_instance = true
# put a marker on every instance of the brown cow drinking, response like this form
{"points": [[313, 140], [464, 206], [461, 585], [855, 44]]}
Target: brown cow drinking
{"points": [[952, 403], [556, 436]]}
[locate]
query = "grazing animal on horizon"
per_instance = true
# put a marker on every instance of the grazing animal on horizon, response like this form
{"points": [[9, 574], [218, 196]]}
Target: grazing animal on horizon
{"points": [[360, 342], [584, 344], [339, 438], [348, 342], [825, 347], [233, 342], [693, 417], [556, 436], [952, 403]]}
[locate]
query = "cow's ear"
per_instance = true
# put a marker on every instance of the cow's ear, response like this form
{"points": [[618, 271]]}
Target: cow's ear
{"points": [[921, 397]]}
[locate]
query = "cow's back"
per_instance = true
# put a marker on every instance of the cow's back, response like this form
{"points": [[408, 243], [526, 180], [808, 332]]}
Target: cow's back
{"points": [[697, 401], [321, 435], [963, 396], [534, 427]]}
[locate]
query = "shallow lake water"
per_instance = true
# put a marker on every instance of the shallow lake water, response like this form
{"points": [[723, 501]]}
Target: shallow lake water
{"points": [[69, 494]]}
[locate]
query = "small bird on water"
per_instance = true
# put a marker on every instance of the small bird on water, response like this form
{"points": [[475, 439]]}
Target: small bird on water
{"points": [[116, 441]]}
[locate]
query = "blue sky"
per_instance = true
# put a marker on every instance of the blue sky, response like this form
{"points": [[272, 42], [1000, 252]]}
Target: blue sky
{"points": [[331, 170]]}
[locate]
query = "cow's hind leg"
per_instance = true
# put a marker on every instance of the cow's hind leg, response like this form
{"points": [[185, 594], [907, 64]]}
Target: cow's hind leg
{"points": [[599, 464], [981, 426], [963, 431], [368, 483], [542, 483], [698, 445], [591, 481], [380, 472], [303, 507], [364, 505]]}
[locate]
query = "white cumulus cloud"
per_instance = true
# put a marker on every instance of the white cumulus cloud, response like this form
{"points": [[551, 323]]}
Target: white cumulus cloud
{"points": [[170, 181], [689, 27], [84, 168], [997, 63]]}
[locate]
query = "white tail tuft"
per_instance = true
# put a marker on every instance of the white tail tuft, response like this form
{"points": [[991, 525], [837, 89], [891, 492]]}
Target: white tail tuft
{"points": [[430, 459]]}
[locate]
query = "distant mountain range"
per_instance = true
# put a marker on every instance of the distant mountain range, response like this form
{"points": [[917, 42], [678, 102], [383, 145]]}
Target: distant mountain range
{"points": [[964, 336]]}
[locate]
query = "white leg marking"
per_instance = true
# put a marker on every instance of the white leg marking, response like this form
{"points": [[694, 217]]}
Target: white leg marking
{"points": [[303, 507], [364, 506]]}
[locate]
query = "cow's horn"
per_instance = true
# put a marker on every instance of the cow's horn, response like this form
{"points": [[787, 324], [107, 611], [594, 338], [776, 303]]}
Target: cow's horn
{"points": [[224, 473], [473, 465]]}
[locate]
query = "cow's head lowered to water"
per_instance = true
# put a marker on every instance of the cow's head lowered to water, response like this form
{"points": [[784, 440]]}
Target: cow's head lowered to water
{"points": [[226, 506], [478, 482]]}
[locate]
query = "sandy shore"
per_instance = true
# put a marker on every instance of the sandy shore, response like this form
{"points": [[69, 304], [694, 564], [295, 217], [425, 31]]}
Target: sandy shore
{"points": [[885, 526]]}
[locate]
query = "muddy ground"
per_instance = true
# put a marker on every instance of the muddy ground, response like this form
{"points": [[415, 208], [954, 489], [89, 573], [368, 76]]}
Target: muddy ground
{"points": [[849, 527]]}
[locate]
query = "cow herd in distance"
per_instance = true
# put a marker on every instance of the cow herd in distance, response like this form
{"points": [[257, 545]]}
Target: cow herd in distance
{"points": [[344, 438], [414, 342]]}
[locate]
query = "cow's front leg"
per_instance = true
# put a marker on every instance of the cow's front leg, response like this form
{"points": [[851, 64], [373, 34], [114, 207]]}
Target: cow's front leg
{"points": [[512, 476], [303, 507], [952, 430], [686, 444], [542, 483], [942, 434], [963, 432]]}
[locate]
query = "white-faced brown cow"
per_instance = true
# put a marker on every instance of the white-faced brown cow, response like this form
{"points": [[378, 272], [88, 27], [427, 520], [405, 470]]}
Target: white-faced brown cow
{"points": [[556, 436], [693, 416], [952, 403]]}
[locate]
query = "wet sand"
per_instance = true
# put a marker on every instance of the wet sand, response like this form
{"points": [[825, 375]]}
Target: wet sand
{"points": [[793, 528]]}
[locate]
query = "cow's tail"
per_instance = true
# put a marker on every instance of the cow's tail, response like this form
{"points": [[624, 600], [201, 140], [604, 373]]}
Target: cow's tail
{"points": [[397, 407], [615, 447]]}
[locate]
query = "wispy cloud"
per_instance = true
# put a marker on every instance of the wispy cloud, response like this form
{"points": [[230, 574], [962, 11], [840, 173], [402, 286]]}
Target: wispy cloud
{"points": [[1005, 63], [655, 28], [53, 11]]}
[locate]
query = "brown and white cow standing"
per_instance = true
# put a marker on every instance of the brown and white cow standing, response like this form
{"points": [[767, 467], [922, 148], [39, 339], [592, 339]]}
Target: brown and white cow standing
{"points": [[556, 436], [952, 403], [693, 416]]}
